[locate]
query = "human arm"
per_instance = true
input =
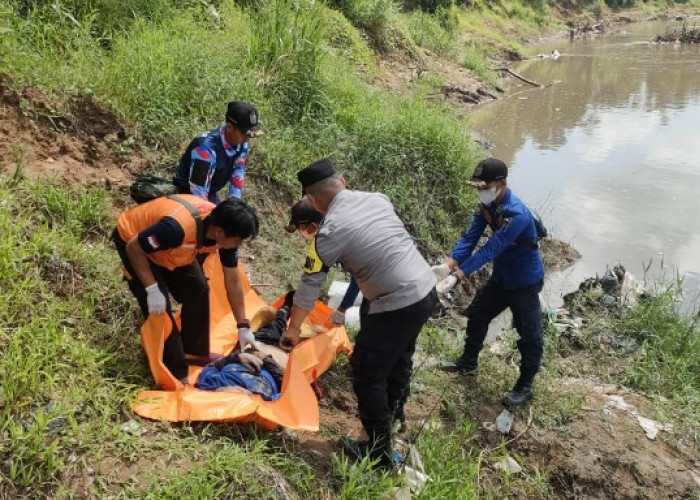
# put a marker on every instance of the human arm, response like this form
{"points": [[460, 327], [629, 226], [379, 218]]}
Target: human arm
{"points": [[234, 293], [305, 296], [237, 180], [508, 232], [202, 167], [466, 244], [274, 368], [163, 235], [236, 299], [462, 249], [139, 261], [314, 275]]}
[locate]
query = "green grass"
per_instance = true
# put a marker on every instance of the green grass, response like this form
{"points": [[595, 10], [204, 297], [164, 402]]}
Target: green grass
{"points": [[166, 75], [430, 32], [68, 335], [475, 61]]}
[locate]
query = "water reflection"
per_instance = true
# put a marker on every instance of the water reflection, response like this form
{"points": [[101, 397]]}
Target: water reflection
{"points": [[610, 151]]}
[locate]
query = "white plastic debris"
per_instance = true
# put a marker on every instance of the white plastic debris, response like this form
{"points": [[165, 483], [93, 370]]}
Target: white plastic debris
{"points": [[414, 458], [133, 427], [415, 479], [508, 464], [619, 403], [651, 428], [336, 292], [447, 284], [352, 318], [504, 422]]}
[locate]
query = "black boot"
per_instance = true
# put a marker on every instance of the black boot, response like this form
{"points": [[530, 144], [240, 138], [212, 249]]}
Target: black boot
{"points": [[522, 391], [466, 365], [378, 448]]}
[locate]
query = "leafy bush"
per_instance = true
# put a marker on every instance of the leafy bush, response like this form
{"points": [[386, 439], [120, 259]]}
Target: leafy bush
{"points": [[286, 45], [475, 61], [372, 16], [670, 363], [428, 31], [430, 6], [106, 16]]}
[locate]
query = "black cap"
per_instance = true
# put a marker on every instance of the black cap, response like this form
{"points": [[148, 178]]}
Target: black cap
{"points": [[303, 212], [244, 116], [488, 170], [316, 171]]}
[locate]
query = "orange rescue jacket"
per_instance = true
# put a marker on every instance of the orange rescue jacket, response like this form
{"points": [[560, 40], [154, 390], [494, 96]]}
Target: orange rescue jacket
{"points": [[131, 222]]}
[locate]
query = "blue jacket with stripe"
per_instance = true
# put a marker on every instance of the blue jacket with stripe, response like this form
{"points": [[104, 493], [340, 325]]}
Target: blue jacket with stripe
{"points": [[512, 247]]}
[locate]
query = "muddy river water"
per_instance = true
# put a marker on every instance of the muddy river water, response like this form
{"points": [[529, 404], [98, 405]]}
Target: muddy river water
{"points": [[609, 152]]}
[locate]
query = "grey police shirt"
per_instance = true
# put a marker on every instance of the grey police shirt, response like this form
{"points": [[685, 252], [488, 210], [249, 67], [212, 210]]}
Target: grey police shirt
{"points": [[363, 234]]}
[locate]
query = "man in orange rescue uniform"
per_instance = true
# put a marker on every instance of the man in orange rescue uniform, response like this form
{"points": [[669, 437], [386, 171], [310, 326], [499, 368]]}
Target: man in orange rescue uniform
{"points": [[158, 242]]}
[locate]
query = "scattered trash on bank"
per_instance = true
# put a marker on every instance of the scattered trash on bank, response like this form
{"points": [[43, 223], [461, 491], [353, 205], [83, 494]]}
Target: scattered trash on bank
{"points": [[504, 422], [508, 464], [651, 427]]}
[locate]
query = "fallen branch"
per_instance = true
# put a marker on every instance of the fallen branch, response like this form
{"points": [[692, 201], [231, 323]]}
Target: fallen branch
{"points": [[463, 93], [519, 77]]}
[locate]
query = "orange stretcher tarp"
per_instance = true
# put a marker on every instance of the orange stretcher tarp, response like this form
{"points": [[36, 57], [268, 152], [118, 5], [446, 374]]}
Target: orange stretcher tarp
{"points": [[296, 408]]}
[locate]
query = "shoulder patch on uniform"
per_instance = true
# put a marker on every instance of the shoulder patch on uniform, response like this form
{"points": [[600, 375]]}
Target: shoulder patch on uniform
{"points": [[313, 263], [504, 224]]}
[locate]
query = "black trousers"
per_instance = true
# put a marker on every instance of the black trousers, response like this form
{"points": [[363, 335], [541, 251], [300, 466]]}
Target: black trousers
{"points": [[382, 362], [189, 287], [524, 303], [272, 333]]}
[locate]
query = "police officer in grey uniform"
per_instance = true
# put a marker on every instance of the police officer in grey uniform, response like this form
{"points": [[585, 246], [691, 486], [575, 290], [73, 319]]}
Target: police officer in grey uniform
{"points": [[362, 232]]}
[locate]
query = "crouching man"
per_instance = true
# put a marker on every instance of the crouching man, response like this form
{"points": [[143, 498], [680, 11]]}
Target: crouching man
{"points": [[158, 243]]}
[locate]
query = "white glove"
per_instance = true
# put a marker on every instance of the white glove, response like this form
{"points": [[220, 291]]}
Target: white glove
{"points": [[246, 338], [155, 299], [338, 317], [441, 272], [447, 284]]}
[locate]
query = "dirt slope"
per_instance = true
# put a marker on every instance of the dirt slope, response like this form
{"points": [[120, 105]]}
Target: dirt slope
{"points": [[86, 144]]}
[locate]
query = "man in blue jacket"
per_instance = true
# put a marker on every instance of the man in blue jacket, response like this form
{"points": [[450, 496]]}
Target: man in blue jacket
{"points": [[218, 157], [516, 280]]}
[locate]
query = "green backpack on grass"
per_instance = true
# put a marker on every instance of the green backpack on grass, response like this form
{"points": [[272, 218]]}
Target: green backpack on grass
{"points": [[148, 187]]}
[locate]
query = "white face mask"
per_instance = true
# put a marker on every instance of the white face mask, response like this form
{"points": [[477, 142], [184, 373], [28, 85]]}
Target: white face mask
{"points": [[487, 196]]}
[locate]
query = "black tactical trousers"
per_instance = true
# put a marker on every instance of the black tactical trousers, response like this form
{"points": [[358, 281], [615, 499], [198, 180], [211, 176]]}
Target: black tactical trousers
{"points": [[189, 287], [382, 361], [524, 303]]}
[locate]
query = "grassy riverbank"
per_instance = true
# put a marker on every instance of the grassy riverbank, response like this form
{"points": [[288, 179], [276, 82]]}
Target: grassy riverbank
{"points": [[72, 363], [121, 87]]}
